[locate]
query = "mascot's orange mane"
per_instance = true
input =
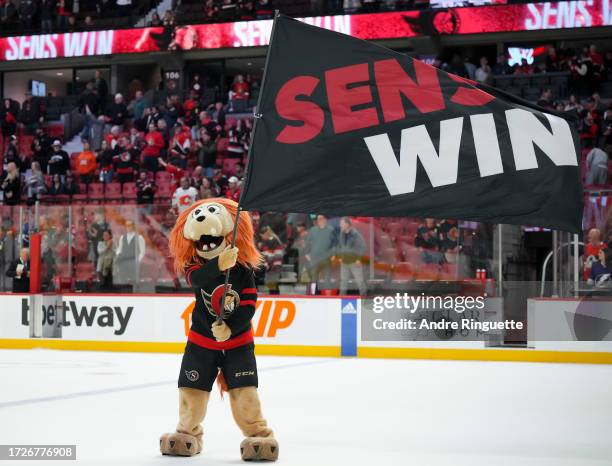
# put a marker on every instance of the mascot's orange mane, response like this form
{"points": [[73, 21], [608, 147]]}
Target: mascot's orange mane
{"points": [[184, 251]]}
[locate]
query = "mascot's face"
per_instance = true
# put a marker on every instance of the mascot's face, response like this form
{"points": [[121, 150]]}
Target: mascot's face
{"points": [[207, 226]]}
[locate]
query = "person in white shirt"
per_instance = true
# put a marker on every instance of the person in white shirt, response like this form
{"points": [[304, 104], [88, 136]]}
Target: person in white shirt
{"points": [[484, 74], [130, 253], [184, 196]]}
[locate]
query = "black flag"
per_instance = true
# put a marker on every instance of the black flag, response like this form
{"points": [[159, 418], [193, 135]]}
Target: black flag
{"points": [[346, 127]]}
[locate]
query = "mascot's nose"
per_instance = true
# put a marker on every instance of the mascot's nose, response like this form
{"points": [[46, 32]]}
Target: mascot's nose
{"points": [[201, 218]]}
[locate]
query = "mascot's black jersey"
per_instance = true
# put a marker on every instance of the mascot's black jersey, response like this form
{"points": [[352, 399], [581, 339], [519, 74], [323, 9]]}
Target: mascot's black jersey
{"points": [[207, 281]]}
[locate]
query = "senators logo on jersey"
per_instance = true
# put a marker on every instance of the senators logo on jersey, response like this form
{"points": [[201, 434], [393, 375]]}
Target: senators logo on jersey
{"points": [[212, 301]]}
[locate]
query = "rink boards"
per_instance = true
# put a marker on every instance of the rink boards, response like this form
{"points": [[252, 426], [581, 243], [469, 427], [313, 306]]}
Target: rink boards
{"points": [[283, 325]]}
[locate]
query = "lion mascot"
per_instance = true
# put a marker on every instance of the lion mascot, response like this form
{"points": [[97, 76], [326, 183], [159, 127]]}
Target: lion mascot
{"points": [[218, 348]]}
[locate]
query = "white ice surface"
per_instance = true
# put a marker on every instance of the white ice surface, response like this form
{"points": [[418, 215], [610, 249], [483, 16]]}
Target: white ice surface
{"points": [[327, 412]]}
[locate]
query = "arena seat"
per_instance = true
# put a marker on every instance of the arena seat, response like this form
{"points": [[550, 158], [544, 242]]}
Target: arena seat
{"points": [[96, 192], [164, 190], [112, 192], [163, 177], [129, 191]]}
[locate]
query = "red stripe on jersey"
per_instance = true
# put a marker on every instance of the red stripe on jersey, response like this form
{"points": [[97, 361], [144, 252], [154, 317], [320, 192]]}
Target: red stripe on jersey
{"points": [[249, 291], [189, 270], [248, 302], [209, 343]]}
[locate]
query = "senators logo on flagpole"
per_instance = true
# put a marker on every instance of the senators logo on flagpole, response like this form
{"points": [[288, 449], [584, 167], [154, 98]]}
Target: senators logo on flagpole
{"points": [[347, 127]]}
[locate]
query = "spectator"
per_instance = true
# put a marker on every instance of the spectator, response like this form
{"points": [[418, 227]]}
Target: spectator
{"points": [[113, 136], [197, 176], [123, 8], [573, 104], [64, 11], [457, 66], [129, 255], [184, 196], [105, 158], [57, 187], [601, 270], [145, 190], [27, 11], [138, 105], [71, 187], [349, 251], [47, 8], [233, 189], [8, 118], [19, 271], [155, 20], [89, 105], [116, 113], [11, 185], [59, 163], [484, 74], [106, 256], [191, 109], [428, 243], [162, 127], [470, 68], [501, 66], [180, 147], [40, 155], [524, 67], [263, 9], [546, 100], [136, 139], [240, 89], [95, 233], [211, 10], [35, 183], [207, 189], [351, 6], [217, 113], [88, 24], [591, 251], [100, 85], [319, 249], [272, 250], [71, 25], [588, 131], [207, 152], [449, 240], [86, 164], [597, 167], [552, 60], [125, 161], [8, 13], [227, 10], [29, 116], [151, 152], [11, 154]]}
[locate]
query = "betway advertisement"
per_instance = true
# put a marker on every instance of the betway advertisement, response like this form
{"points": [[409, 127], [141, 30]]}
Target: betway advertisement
{"points": [[392, 25], [277, 321]]}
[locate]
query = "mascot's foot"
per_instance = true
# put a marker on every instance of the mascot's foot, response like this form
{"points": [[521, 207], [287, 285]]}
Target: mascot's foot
{"points": [[259, 449], [178, 444]]}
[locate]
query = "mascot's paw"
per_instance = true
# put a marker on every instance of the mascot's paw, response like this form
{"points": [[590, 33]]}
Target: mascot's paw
{"points": [[178, 444], [221, 331], [259, 449], [227, 258]]}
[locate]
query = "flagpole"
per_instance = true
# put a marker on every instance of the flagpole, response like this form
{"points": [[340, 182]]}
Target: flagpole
{"points": [[257, 116]]}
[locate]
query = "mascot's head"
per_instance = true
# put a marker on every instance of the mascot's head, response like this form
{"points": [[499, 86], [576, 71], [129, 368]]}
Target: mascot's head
{"points": [[203, 230]]}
